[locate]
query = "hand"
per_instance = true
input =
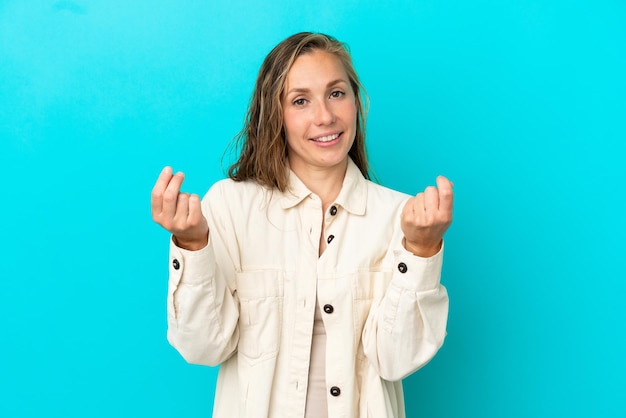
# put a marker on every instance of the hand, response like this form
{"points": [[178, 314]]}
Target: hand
{"points": [[426, 217], [179, 213]]}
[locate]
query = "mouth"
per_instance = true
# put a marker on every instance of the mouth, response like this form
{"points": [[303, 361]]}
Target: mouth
{"points": [[327, 138]]}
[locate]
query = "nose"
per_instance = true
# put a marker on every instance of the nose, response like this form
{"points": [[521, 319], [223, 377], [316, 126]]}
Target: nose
{"points": [[324, 114]]}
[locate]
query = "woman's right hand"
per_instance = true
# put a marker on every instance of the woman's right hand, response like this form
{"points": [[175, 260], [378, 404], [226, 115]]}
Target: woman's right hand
{"points": [[179, 213]]}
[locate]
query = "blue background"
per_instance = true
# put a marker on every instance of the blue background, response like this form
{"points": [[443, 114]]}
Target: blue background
{"points": [[522, 103]]}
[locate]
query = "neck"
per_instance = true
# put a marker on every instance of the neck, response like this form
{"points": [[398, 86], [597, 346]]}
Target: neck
{"points": [[325, 182]]}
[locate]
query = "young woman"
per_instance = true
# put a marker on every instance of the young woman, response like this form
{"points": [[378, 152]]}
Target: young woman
{"points": [[314, 289]]}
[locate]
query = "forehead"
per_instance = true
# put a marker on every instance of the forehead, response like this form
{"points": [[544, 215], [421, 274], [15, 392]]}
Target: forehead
{"points": [[314, 69]]}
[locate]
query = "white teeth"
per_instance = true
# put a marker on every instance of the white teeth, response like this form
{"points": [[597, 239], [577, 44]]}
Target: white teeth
{"points": [[326, 138]]}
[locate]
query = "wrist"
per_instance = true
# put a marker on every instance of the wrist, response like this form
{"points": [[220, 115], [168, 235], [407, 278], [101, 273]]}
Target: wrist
{"points": [[190, 244], [422, 250]]}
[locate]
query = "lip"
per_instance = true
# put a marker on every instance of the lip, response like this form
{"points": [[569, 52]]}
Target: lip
{"points": [[326, 134]]}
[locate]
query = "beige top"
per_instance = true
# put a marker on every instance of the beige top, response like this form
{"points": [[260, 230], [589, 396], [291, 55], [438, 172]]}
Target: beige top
{"points": [[247, 300], [316, 403]]}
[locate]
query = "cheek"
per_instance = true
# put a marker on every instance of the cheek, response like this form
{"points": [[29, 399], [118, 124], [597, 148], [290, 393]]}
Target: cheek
{"points": [[290, 121], [292, 127], [350, 112]]}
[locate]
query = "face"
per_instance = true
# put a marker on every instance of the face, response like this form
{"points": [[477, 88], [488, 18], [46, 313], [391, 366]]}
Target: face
{"points": [[319, 109]]}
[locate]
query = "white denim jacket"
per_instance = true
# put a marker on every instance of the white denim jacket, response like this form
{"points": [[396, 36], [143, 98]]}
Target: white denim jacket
{"points": [[247, 300]]}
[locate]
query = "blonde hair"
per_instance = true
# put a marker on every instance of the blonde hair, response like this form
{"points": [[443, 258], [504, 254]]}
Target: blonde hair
{"points": [[261, 143]]}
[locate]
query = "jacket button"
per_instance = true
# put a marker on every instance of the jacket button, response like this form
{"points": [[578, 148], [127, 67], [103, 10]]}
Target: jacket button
{"points": [[335, 391], [175, 264], [330, 238], [329, 309], [333, 210], [402, 267]]}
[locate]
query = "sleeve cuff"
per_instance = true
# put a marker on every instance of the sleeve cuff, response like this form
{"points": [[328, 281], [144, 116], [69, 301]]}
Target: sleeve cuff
{"points": [[416, 273], [190, 266]]}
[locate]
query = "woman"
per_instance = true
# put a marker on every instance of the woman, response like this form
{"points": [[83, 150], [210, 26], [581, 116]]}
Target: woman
{"points": [[315, 289]]}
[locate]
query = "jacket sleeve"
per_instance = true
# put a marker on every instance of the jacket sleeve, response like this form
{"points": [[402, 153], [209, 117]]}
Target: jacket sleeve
{"points": [[407, 326], [202, 304]]}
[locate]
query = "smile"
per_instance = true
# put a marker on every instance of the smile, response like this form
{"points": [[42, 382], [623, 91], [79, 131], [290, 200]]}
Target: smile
{"points": [[327, 138]]}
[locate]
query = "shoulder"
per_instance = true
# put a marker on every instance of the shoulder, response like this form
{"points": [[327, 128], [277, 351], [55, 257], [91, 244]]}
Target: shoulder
{"points": [[232, 187], [378, 192], [383, 202], [235, 194]]}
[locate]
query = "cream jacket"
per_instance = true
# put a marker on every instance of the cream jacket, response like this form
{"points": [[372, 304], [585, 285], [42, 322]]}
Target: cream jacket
{"points": [[247, 300]]}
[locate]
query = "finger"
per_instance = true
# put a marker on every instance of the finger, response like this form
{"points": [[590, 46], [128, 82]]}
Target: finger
{"points": [[446, 196], [170, 195], [418, 205], [156, 199], [182, 211], [195, 209], [407, 213], [431, 200]]}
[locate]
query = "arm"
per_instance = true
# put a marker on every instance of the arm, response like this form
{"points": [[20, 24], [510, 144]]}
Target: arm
{"points": [[202, 306], [407, 326], [202, 309]]}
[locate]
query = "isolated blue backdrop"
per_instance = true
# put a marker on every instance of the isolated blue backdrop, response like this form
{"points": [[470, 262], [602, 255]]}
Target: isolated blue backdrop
{"points": [[522, 103]]}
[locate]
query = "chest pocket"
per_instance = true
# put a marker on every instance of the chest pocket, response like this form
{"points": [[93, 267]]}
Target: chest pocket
{"points": [[368, 287], [260, 313]]}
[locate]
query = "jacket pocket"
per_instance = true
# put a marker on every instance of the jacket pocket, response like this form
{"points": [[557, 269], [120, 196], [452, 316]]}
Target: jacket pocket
{"points": [[368, 287], [260, 313]]}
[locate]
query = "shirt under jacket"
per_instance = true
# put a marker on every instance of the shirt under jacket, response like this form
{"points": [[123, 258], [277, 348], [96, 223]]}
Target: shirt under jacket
{"points": [[247, 300]]}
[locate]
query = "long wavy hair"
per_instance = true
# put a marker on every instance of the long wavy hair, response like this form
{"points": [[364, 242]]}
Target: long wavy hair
{"points": [[261, 144]]}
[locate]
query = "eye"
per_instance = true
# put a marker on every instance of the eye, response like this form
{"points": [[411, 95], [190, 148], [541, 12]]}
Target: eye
{"points": [[337, 93], [299, 102]]}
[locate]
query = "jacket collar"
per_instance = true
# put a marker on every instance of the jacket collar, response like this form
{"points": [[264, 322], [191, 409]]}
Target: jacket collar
{"points": [[352, 197]]}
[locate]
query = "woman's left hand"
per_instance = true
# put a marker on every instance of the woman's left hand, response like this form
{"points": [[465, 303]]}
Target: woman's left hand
{"points": [[426, 217]]}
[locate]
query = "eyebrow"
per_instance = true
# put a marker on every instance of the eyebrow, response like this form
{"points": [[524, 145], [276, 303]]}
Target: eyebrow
{"points": [[305, 90]]}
